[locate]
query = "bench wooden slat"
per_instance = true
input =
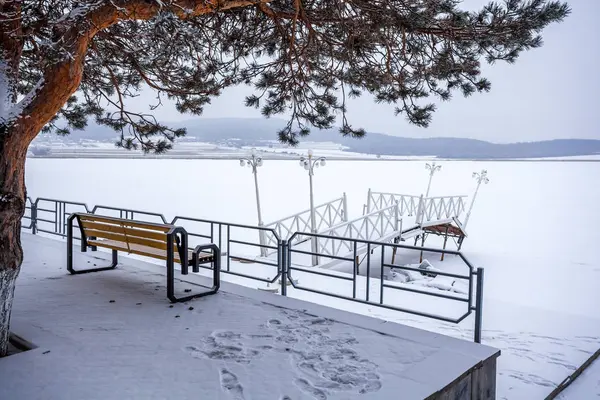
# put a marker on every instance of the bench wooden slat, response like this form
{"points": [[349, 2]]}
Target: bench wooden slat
{"points": [[144, 239], [156, 244], [118, 221], [147, 251], [123, 230]]}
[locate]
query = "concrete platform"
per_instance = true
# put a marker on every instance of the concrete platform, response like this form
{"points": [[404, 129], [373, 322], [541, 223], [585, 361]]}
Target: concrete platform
{"points": [[114, 335]]}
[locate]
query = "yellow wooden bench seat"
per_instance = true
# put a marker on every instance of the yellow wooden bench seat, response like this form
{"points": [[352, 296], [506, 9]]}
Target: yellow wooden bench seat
{"points": [[145, 239], [147, 251]]}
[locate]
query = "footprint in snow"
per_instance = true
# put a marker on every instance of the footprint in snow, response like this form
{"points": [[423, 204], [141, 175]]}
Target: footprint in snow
{"points": [[325, 361], [231, 384], [309, 389]]}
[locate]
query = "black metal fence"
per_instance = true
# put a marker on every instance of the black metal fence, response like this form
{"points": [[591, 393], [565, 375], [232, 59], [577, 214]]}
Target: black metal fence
{"points": [[50, 216], [377, 294], [239, 243]]}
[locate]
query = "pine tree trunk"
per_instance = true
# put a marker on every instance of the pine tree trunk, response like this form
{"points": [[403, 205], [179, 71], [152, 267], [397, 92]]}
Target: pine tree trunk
{"points": [[7, 291], [13, 150]]}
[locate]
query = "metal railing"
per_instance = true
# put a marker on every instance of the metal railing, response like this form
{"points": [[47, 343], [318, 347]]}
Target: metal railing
{"points": [[407, 204], [127, 213], [437, 208], [378, 294], [229, 236], [327, 215], [380, 225], [240, 242], [424, 208], [50, 216]]}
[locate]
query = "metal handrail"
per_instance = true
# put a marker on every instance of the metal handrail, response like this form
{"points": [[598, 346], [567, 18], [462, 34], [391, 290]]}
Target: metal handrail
{"points": [[60, 214], [284, 248], [386, 224], [301, 220], [423, 207], [307, 211], [129, 213], [474, 278], [61, 201], [217, 237]]}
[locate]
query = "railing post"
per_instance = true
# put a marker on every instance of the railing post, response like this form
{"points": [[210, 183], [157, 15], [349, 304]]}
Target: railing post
{"points": [[396, 217], [284, 266], [355, 268], [368, 201], [420, 211], [366, 229], [34, 217], [345, 204], [228, 247], [315, 250], [400, 227], [479, 305], [170, 268]]}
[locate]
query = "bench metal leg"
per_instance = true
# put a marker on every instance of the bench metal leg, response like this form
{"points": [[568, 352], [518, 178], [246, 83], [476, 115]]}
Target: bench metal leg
{"points": [[183, 254], [73, 271], [171, 270], [196, 263], [196, 257], [83, 249]]}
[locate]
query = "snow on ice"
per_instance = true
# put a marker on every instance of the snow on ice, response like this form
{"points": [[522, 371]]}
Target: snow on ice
{"points": [[533, 229], [114, 335]]}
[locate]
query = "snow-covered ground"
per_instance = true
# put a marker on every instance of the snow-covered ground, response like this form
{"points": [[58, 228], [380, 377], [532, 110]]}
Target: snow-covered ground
{"points": [[56, 148], [533, 229], [113, 335]]}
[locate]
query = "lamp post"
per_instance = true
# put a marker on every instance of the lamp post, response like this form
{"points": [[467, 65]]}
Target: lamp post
{"points": [[253, 161], [480, 177], [433, 168], [310, 163]]}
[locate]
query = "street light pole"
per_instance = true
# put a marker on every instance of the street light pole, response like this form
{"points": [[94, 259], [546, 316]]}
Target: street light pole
{"points": [[253, 161], [258, 211], [481, 177], [433, 168], [309, 164]]}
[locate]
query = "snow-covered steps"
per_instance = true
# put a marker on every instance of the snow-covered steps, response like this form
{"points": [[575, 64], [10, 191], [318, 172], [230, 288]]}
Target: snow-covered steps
{"points": [[112, 335]]}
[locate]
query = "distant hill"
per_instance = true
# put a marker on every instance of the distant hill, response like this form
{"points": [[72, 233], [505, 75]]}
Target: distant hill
{"points": [[256, 131]]}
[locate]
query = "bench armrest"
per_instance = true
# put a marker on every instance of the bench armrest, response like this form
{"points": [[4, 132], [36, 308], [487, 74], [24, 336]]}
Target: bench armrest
{"points": [[70, 220], [182, 248], [216, 252]]}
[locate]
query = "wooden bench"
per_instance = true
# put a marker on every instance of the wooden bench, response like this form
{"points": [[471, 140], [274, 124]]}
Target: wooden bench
{"points": [[160, 241]]}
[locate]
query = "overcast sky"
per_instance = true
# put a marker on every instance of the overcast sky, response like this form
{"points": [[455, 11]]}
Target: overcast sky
{"points": [[549, 93]]}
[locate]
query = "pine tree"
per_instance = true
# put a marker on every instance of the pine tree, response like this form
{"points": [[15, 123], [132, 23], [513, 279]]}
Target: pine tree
{"points": [[68, 60]]}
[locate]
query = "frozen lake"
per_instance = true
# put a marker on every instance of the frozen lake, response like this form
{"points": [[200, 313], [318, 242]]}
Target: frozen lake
{"points": [[537, 220], [533, 229]]}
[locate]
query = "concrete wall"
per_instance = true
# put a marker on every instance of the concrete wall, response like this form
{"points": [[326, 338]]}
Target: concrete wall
{"points": [[479, 383]]}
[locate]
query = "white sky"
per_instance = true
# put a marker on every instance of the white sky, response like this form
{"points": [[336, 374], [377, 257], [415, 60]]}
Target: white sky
{"points": [[548, 93]]}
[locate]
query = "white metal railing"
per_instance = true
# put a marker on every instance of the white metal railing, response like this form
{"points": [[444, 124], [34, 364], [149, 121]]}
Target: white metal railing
{"points": [[328, 214], [379, 225], [424, 208], [407, 204], [445, 207]]}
